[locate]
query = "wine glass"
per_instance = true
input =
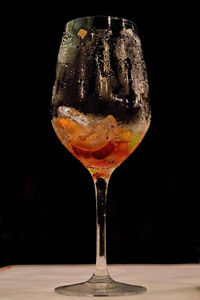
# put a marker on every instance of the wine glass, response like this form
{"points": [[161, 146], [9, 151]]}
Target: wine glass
{"points": [[100, 112]]}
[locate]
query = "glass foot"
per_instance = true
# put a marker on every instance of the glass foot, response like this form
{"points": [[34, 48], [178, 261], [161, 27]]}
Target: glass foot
{"points": [[100, 287]]}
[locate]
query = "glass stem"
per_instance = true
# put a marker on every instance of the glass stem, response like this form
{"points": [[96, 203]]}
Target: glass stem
{"points": [[101, 186]]}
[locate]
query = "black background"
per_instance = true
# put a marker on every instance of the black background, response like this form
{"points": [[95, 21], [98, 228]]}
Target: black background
{"points": [[47, 207]]}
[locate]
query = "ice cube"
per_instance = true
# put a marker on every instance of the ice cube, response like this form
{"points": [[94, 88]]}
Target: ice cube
{"points": [[72, 114], [63, 112], [107, 129], [108, 124]]}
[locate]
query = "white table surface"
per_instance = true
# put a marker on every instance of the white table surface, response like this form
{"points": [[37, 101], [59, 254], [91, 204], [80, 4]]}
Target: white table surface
{"points": [[171, 282]]}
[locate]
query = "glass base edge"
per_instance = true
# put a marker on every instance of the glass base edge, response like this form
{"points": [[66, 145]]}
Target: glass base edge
{"points": [[112, 288]]}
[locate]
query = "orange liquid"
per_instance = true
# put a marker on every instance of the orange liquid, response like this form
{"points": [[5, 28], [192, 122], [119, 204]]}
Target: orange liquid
{"points": [[101, 149]]}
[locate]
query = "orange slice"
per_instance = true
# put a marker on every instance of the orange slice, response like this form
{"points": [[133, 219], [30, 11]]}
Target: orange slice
{"points": [[82, 33]]}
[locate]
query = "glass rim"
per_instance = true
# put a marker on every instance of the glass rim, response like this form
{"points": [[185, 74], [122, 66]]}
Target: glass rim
{"points": [[101, 17]]}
